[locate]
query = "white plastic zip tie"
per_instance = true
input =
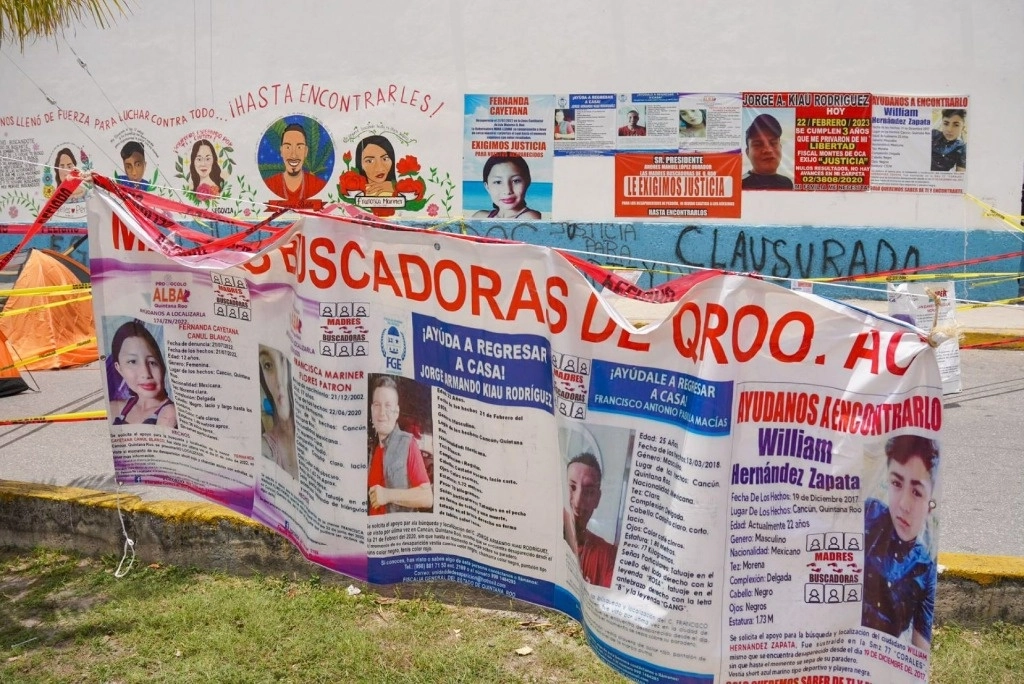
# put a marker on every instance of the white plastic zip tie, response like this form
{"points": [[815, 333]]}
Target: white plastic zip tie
{"points": [[129, 543]]}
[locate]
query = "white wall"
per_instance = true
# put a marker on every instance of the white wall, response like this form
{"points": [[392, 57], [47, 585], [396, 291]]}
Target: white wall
{"points": [[170, 57]]}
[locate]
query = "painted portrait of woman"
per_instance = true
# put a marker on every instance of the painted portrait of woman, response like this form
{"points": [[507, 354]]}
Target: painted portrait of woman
{"points": [[204, 171], [63, 165], [375, 160]]}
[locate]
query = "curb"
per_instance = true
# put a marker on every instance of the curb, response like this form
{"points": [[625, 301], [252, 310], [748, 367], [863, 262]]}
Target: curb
{"points": [[976, 339], [179, 533], [984, 570], [971, 588]]}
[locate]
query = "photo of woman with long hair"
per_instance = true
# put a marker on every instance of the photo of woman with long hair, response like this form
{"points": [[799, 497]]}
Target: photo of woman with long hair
{"points": [[565, 124], [140, 363], [278, 410], [693, 123]]}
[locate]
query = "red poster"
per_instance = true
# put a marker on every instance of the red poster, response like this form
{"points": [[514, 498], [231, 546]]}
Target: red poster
{"points": [[822, 139], [681, 186]]}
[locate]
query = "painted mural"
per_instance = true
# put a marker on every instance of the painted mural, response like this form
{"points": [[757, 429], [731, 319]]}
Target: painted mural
{"points": [[687, 174]]}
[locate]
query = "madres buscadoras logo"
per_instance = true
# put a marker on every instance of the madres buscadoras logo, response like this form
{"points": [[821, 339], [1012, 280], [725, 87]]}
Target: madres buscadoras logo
{"points": [[392, 345]]}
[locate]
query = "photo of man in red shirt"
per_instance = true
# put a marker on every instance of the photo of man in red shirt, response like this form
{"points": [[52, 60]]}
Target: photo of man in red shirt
{"points": [[596, 556], [632, 126], [397, 479]]}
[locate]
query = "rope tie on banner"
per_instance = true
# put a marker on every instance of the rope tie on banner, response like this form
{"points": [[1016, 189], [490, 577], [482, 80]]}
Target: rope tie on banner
{"points": [[937, 336], [129, 543]]}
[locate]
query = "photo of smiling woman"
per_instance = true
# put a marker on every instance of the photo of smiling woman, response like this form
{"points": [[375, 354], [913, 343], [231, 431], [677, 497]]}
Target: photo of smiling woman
{"points": [[141, 373], [507, 179], [899, 542]]}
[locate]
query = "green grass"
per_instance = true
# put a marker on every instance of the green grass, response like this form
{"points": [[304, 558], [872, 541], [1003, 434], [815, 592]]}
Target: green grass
{"points": [[65, 618], [991, 653]]}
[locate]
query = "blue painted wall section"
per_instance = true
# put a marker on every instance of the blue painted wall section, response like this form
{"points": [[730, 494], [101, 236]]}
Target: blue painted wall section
{"points": [[778, 251], [57, 243], [661, 251]]}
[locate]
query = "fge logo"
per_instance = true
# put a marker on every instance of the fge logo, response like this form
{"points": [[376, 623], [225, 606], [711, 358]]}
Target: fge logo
{"points": [[392, 346]]}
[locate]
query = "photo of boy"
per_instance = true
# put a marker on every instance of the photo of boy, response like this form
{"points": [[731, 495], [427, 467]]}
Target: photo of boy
{"points": [[949, 151], [133, 159], [899, 545]]}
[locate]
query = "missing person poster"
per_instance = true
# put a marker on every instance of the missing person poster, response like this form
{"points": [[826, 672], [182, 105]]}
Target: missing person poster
{"points": [[701, 180], [743, 491], [807, 141], [584, 124], [919, 143], [647, 122], [507, 159], [931, 306], [710, 122]]}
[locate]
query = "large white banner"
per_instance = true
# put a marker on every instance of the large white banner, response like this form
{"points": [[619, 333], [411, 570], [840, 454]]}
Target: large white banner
{"points": [[740, 492]]}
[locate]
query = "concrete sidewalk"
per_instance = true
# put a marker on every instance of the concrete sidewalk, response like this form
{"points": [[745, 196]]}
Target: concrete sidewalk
{"points": [[999, 325]]}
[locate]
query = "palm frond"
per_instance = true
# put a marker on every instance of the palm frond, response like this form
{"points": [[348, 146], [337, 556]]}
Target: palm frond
{"points": [[23, 19]]}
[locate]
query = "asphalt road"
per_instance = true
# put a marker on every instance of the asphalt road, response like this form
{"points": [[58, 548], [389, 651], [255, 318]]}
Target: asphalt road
{"points": [[982, 469]]}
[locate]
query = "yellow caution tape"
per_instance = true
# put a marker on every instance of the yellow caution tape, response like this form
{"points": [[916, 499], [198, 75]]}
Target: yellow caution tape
{"points": [[999, 302], [458, 220], [48, 354], [27, 309], [911, 277], [56, 418], [1012, 220], [46, 290]]}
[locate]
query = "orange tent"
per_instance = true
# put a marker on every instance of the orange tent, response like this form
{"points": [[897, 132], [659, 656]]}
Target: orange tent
{"points": [[38, 333], [10, 378]]}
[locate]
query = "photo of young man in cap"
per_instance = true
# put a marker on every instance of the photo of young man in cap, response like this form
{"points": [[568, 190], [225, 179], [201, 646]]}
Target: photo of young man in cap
{"points": [[764, 150]]}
